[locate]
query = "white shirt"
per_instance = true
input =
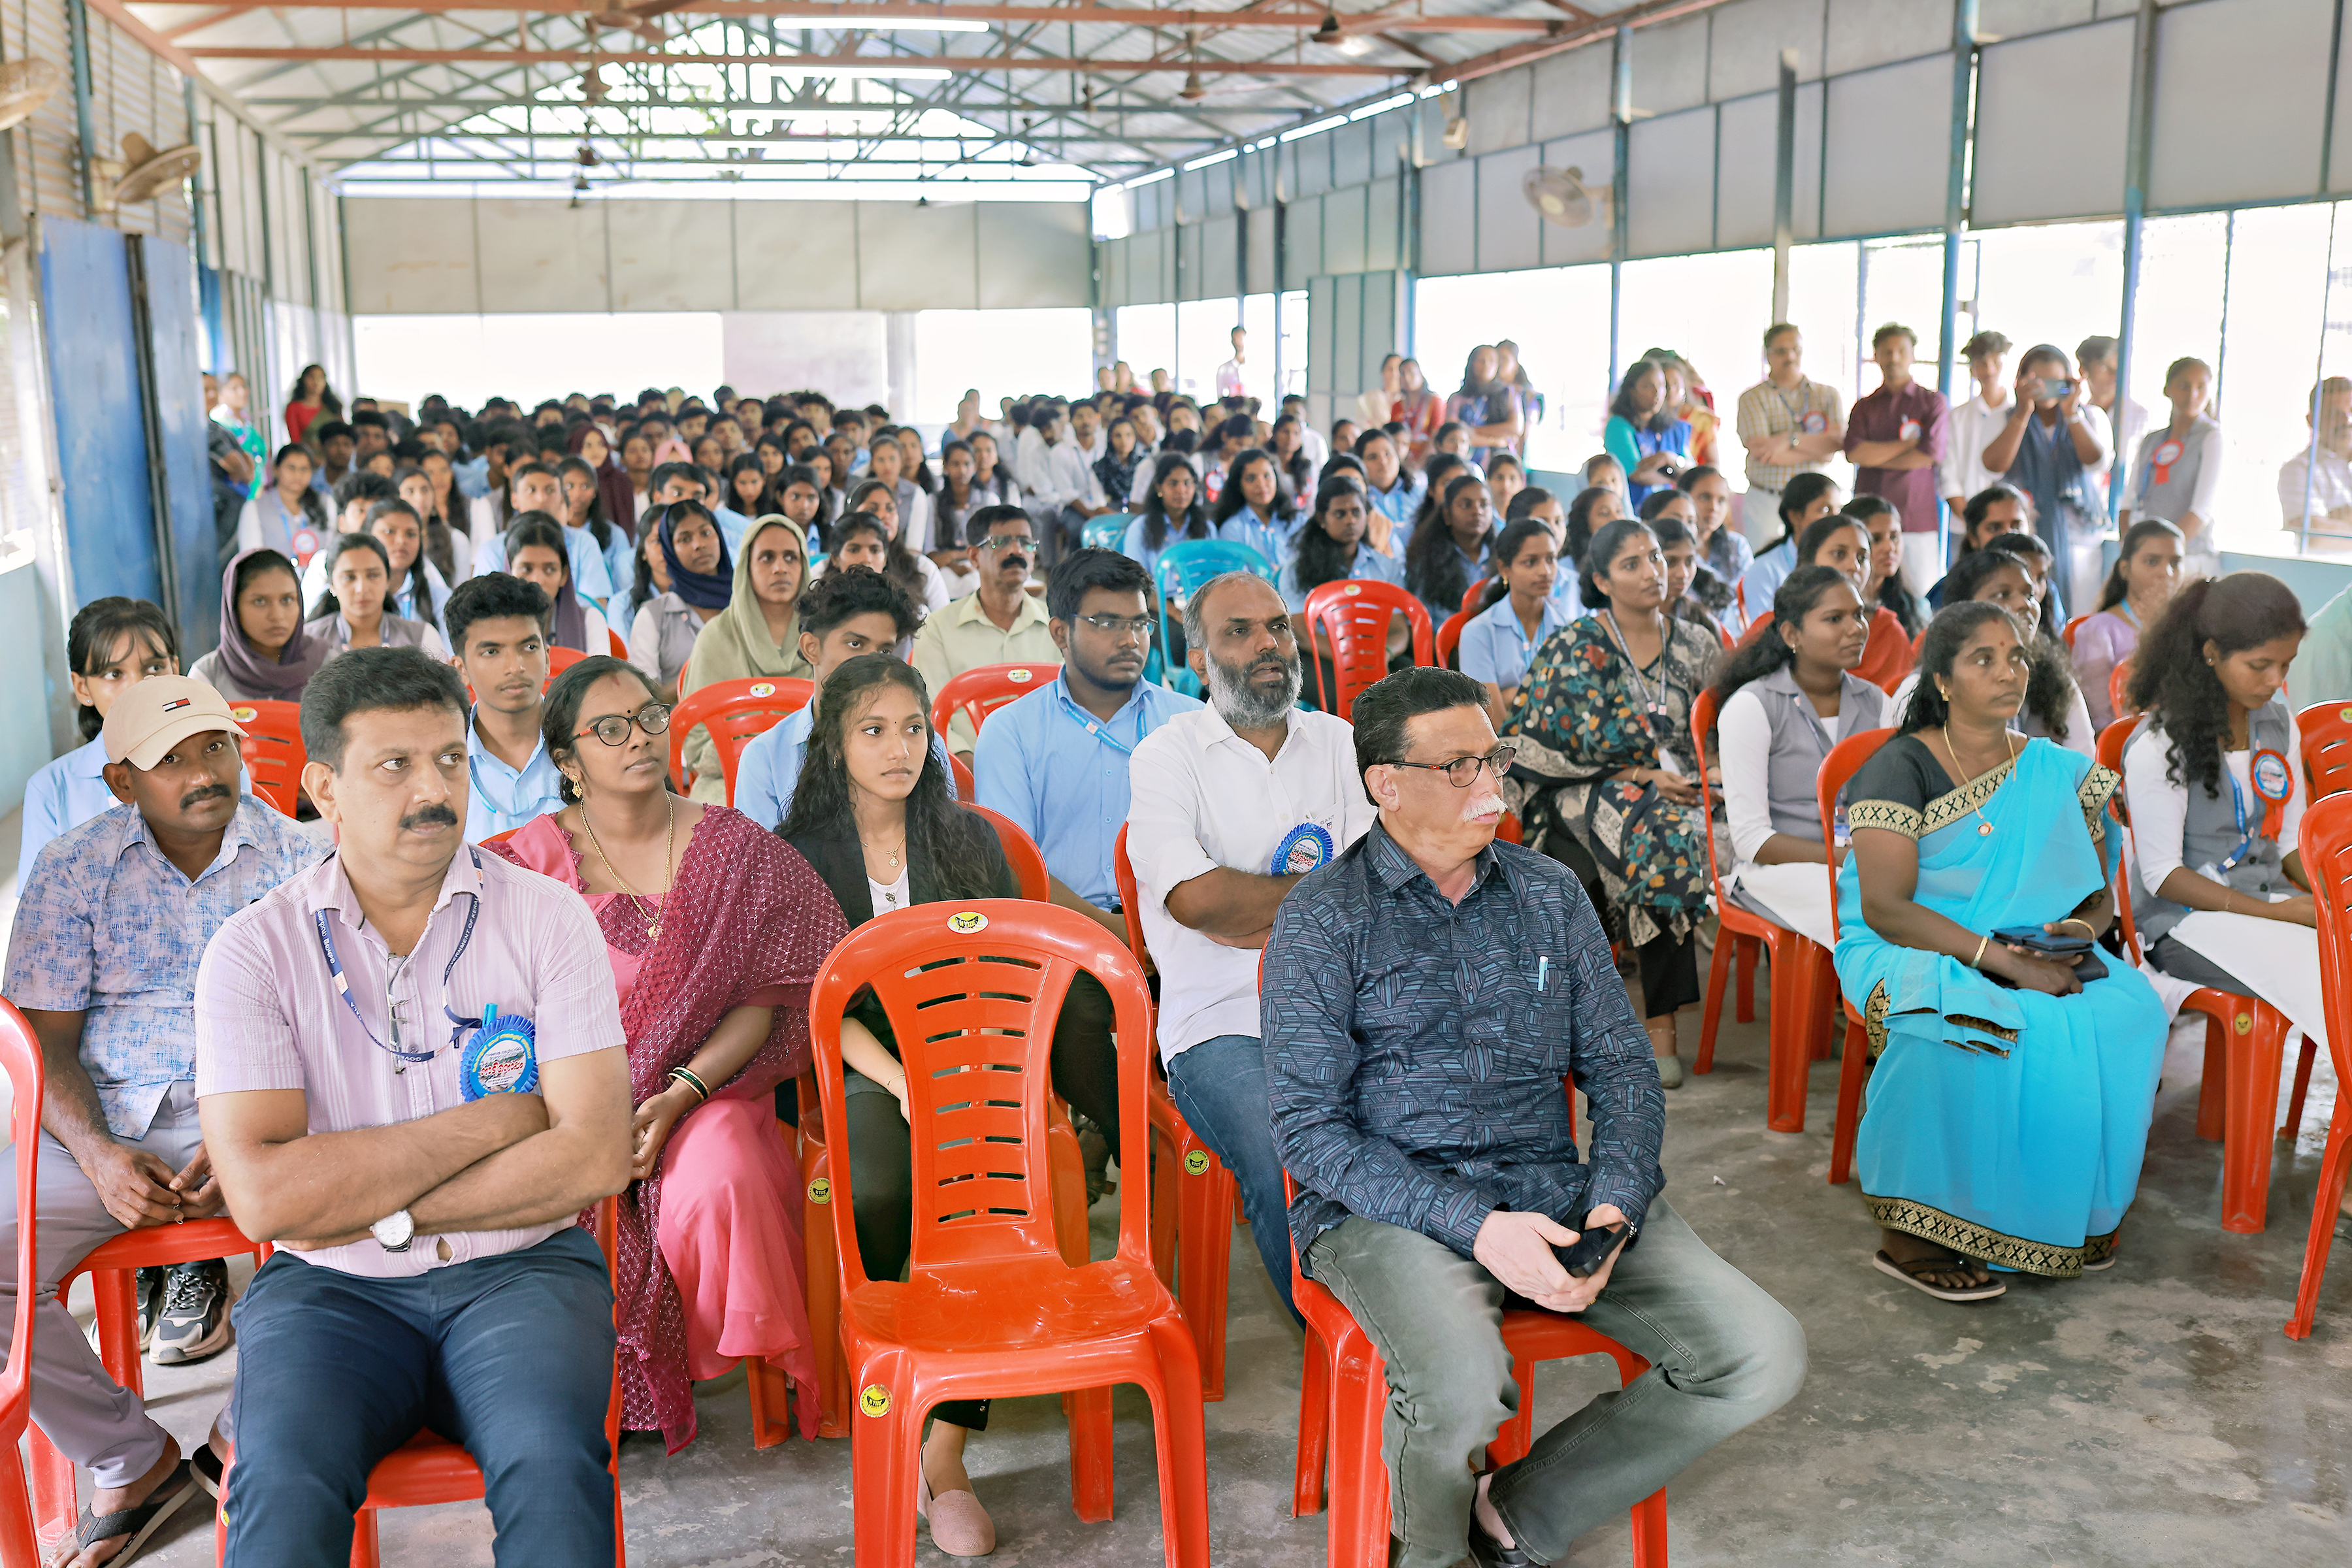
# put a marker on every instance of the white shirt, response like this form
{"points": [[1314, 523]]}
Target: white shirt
{"points": [[1743, 740], [1969, 429], [889, 896], [2331, 487], [2159, 807], [1203, 797], [1057, 474], [1233, 378]]}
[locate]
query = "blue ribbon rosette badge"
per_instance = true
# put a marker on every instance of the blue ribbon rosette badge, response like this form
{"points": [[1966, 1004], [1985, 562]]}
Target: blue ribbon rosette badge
{"points": [[1302, 849], [501, 1058]]}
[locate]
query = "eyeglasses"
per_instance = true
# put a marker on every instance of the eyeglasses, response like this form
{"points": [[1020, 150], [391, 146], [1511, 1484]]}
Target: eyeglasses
{"points": [[1023, 542], [613, 729], [1463, 772], [1121, 626]]}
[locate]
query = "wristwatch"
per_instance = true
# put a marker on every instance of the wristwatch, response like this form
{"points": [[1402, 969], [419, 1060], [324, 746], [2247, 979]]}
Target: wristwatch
{"points": [[395, 1231]]}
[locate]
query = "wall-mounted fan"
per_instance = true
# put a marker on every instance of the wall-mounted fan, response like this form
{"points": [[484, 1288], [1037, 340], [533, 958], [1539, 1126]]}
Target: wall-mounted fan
{"points": [[1562, 196], [24, 86], [142, 171]]}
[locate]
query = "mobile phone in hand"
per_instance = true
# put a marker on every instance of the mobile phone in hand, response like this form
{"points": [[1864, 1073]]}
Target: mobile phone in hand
{"points": [[1592, 1248]]}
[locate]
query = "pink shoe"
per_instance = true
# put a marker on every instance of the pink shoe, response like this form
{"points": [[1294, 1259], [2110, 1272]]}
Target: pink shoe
{"points": [[959, 1526]]}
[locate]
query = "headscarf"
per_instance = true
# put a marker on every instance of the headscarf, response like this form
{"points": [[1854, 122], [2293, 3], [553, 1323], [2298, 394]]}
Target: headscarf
{"points": [[703, 590], [734, 644], [281, 679]]}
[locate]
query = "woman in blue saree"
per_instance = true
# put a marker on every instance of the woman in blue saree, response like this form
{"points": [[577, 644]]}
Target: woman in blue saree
{"points": [[2009, 1109]]}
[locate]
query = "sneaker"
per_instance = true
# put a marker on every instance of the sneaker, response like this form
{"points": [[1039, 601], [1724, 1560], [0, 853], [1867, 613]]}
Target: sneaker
{"points": [[150, 1292], [194, 1323]]}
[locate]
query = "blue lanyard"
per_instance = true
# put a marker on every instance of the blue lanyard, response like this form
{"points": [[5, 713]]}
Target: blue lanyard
{"points": [[344, 985], [2238, 804], [1097, 728]]}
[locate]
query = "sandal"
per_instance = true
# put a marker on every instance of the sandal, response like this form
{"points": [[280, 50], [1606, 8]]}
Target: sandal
{"points": [[208, 1468], [141, 1522], [1911, 1274]]}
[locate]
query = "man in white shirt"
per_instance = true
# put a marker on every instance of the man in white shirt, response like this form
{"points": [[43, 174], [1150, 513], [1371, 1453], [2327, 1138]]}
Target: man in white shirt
{"points": [[1231, 804], [2321, 493], [1234, 376], [1058, 486], [1789, 425], [1974, 424], [2095, 358]]}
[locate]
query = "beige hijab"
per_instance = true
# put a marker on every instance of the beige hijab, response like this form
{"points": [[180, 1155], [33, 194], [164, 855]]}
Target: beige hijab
{"points": [[734, 646]]}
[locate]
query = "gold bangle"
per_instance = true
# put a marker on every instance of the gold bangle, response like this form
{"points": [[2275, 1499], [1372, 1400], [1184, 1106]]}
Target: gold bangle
{"points": [[1982, 942], [687, 1076], [2079, 921]]}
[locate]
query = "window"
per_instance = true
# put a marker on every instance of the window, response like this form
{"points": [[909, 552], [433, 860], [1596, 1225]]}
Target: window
{"points": [[1205, 340], [1146, 340], [1549, 313], [1711, 310], [997, 351], [469, 358]]}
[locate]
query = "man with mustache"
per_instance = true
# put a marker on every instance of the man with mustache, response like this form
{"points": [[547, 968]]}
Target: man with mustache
{"points": [[1231, 804], [1425, 994], [411, 1072], [997, 623], [103, 961]]}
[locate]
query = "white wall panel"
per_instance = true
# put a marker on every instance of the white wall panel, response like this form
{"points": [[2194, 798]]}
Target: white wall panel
{"points": [[1194, 278], [1343, 230], [664, 259], [1192, 195], [1260, 275], [1595, 153], [1865, 33], [1890, 148], [795, 255], [1509, 234], [1381, 226], [1670, 164], [540, 255], [1032, 253], [2016, 19], [411, 257], [2339, 160], [1311, 161], [1449, 219], [1221, 240], [1670, 66], [918, 259], [1571, 92], [1352, 153], [1498, 109], [2037, 95], [1744, 54], [1748, 142], [1302, 234], [2207, 148]]}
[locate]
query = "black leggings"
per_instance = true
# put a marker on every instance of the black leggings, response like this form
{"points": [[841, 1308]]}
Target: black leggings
{"points": [[1668, 965], [881, 1164]]}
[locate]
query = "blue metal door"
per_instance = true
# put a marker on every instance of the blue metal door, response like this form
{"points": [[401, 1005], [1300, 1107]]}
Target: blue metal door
{"points": [[93, 346]]}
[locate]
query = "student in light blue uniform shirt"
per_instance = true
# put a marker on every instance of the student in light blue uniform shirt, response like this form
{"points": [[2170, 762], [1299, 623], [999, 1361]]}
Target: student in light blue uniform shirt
{"points": [[1172, 513], [1331, 547], [1251, 510], [498, 624], [113, 644], [1395, 491], [843, 614], [1502, 640], [1535, 501], [1056, 761], [536, 489]]}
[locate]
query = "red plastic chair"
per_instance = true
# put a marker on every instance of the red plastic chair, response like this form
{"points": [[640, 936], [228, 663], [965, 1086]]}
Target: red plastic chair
{"points": [[736, 712], [114, 1267], [272, 749], [20, 1059], [2119, 682], [1844, 761], [2067, 632], [1192, 1216], [1798, 968], [2327, 731], [620, 647], [2245, 1050], [1473, 594], [428, 1470], [966, 790], [983, 688], [1027, 860], [558, 659], [1343, 1393], [1350, 620], [2325, 839], [991, 1308], [1449, 639]]}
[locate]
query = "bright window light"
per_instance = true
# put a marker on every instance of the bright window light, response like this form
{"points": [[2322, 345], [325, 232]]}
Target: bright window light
{"points": [[1382, 107], [1151, 179], [1227, 156], [1316, 129]]}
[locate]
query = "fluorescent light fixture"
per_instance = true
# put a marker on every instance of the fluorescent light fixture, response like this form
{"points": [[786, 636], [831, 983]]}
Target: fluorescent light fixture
{"points": [[1442, 86], [1316, 129], [898, 23], [897, 73], [1150, 179], [1227, 156], [1382, 107]]}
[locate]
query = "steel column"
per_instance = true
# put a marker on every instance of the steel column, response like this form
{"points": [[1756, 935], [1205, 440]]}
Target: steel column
{"points": [[1621, 118], [2135, 159], [1784, 186], [1955, 186], [77, 46]]}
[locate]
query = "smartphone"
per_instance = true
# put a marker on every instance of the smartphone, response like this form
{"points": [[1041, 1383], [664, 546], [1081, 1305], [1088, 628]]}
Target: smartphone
{"points": [[1593, 1244], [2056, 388]]}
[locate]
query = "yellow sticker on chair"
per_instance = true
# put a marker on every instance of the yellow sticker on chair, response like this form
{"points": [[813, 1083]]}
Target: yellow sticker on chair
{"points": [[821, 1190], [963, 922], [1020, 675], [874, 1399], [243, 715], [764, 689], [1197, 1163], [2246, 1023], [1351, 589]]}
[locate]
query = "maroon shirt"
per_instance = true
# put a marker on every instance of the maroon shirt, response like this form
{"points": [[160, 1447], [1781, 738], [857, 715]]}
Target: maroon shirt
{"points": [[1883, 416]]}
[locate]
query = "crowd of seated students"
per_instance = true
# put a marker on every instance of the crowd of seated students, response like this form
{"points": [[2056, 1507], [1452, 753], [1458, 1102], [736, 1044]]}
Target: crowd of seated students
{"points": [[848, 563]]}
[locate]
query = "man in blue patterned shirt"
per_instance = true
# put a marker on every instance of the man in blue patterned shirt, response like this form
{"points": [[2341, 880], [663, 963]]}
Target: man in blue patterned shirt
{"points": [[114, 919], [1425, 994]]}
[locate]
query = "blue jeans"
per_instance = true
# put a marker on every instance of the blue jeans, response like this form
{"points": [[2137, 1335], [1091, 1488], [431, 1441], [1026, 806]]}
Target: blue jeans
{"points": [[511, 1356], [1220, 1087]]}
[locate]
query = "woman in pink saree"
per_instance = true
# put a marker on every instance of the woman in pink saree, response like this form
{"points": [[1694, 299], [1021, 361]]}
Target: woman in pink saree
{"points": [[715, 930]]}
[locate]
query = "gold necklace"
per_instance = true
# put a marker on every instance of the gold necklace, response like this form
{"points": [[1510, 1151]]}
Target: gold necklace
{"points": [[1984, 829], [651, 916], [893, 861]]}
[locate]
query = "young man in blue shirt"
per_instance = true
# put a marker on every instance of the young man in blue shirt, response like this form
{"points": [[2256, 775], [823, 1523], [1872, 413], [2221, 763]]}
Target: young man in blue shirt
{"points": [[498, 630]]}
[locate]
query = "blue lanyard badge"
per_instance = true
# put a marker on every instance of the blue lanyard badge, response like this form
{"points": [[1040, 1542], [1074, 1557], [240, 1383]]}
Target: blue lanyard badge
{"points": [[343, 984], [2246, 836], [1097, 729], [501, 1058]]}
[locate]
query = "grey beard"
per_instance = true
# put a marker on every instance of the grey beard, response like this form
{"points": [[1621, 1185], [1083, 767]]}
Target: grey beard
{"points": [[1239, 705]]}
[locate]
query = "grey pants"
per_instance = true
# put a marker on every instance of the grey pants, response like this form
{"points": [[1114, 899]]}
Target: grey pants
{"points": [[1722, 1353], [93, 1419]]}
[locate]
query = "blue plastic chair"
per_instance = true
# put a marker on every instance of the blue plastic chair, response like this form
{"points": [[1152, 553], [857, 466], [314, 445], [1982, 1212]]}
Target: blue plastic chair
{"points": [[1184, 566], [1108, 532]]}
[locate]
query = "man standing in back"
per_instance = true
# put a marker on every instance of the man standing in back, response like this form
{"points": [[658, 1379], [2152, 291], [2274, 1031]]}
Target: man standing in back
{"points": [[1896, 438], [1790, 424]]}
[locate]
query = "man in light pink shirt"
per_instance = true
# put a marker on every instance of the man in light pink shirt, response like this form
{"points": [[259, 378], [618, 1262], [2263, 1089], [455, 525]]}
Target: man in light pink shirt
{"points": [[429, 1273]]}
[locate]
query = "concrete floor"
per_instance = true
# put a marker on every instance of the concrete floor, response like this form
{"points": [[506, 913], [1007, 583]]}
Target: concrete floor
{"points": [[2153, 1417]]}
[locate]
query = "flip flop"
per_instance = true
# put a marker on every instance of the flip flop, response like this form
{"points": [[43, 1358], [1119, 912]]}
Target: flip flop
{"points": [[1909, 1274], [139, 1523], [208, 1468]]}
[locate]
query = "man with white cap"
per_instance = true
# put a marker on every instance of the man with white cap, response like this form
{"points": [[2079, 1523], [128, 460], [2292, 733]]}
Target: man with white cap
{"points": [[114, 918]]}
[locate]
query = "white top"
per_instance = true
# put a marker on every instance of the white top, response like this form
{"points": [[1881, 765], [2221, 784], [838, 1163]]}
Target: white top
{"points": [[1203, 797], [1743, 744], [2330, 485], [889, 896], [2159, 807], [2082, 735], [1971, 429], [935, 584], [1052, 477]]}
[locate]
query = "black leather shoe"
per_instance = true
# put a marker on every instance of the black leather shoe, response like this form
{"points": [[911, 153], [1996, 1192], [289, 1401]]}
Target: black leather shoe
{"points": [[1488, 1552]]}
